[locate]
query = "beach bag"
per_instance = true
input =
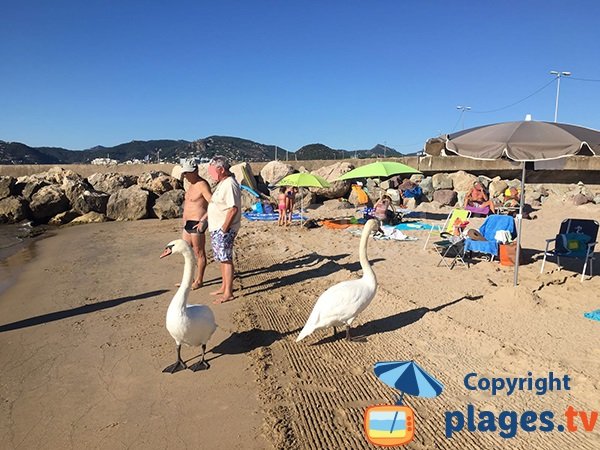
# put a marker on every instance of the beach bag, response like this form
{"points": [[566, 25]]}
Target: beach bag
{"points": [[268, 208], [257, 208], [508, 254]]}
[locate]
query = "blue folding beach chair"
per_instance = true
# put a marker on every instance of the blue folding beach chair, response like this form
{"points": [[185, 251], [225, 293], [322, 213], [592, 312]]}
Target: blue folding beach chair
{"points": [[488, 230], [576, 239]]}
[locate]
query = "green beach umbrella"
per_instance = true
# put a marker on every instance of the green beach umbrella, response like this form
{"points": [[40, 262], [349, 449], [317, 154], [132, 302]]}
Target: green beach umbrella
{"points": [[303, 179], [379, 169]]}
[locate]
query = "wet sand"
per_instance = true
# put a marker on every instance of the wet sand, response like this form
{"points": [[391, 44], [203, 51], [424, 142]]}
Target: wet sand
{"points": [[83, 342]]}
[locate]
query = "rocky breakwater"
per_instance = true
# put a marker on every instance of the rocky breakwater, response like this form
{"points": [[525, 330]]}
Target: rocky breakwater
{"points": [[60, 196]]}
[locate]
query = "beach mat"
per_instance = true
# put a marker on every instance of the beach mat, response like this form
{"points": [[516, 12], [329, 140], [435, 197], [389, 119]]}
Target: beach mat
{"points": [[270, 217], [594, 315], [414, 226]]}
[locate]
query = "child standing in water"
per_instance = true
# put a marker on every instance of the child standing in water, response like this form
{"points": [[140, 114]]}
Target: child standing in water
{"points": [[282, 206]]}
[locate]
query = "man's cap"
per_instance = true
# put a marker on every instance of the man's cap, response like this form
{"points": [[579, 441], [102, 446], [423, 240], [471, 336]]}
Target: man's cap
{"points": [[189, 166]]}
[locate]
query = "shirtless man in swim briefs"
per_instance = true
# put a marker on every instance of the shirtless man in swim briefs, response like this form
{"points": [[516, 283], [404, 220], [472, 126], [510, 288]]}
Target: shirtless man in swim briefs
{"points": [[195, 215]]}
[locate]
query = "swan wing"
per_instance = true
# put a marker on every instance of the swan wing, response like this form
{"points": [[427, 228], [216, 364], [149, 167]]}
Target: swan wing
{"points": [[338, 304], [194, 327]]}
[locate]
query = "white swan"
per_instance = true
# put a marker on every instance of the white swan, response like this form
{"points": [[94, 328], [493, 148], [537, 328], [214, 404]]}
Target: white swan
{"points": [[341, 303], [192, 325]]}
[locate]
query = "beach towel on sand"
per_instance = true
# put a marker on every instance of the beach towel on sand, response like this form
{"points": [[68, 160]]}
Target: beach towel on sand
{"points": [[594, 315], [269, 217]]}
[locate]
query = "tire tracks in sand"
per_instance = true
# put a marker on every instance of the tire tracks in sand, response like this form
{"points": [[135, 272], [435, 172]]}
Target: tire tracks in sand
{"points": [[314, 393]]}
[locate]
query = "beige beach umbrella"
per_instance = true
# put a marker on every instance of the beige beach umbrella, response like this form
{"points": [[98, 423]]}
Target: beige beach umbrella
{"points": [[523, 141]]}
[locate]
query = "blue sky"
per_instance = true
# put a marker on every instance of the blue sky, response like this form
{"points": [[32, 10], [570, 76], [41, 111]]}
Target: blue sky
{"points": [[348, 74]]}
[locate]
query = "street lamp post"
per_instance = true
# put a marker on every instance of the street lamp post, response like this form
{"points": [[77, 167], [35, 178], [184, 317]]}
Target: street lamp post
{"points": [[462, 113], [559, 75]]}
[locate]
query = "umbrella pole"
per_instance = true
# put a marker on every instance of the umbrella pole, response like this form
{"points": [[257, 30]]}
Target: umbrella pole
{"points": [[399, 402], [519, 223]]}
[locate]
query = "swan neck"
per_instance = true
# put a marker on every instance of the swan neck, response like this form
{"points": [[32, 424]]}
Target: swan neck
{"points": [[362, 254], [180, 298]]}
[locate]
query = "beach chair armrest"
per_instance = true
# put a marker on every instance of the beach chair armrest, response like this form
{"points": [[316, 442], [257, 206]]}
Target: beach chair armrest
{"points": [[548, 242]]}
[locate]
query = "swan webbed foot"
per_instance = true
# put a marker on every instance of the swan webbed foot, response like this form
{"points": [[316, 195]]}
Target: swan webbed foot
{"points": [[200, 365], [179, 364], [176, 367]]}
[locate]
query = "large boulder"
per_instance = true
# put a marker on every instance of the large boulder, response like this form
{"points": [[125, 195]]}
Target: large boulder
{"points": [[243, 175], [427, 187], [111, 182], [304, 198], [274, 171], [432, 206], [579, 199], [337, 189], [169, 205], [83, 197], [90, 201], [132, 203], [497, 187], [445, 197], [7, 186], [48, 202], [28, 186], [91, 217], [13, 210], [462, 181], [57, 175], [74, 188], [158, 182], [64, 217], [442, 181]]}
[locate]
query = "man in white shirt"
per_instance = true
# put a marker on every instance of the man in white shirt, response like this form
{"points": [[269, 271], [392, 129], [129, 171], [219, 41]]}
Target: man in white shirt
{"points": [[224, 217]]}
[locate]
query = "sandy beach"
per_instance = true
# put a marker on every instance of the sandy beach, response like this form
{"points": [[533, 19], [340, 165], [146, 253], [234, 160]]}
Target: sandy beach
{"points": [[83, 341]]}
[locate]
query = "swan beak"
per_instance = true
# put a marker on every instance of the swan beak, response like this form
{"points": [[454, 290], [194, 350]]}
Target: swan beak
{"points": [[166, 252]]}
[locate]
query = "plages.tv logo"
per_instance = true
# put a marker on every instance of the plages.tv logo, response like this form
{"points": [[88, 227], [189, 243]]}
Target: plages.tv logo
{"points": [[393, 425]]}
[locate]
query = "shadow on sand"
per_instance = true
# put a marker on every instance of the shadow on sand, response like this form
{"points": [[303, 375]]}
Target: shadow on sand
{"points": [[249, 340], [321, 271], [395, 322], [85, 309]]}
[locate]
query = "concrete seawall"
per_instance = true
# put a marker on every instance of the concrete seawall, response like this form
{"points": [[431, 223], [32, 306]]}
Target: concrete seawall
{"points": [[568, 170]]}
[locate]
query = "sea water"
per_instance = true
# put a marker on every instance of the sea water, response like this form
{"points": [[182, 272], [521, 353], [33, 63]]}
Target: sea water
{"points": [[15, 250]]}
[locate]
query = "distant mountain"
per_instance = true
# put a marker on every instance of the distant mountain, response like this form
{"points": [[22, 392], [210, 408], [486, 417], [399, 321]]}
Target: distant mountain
{"points": [[320, 151], [236, 149]]}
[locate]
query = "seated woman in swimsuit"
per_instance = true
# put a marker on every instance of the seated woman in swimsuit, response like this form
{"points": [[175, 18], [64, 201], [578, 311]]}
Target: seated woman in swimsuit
{"points": [[382, 210], [281, 204], [477, 198]]}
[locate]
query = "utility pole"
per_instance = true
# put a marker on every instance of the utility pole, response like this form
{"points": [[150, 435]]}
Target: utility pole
{"points": [[559, 75], [275, 153], [462, 113]]}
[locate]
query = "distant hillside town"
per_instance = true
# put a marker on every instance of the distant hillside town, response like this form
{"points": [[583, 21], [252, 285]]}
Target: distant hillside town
{"points": [[172, 151]]}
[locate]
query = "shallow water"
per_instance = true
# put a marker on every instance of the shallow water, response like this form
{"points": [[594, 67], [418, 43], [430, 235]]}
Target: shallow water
{"points": [[16, 249]]}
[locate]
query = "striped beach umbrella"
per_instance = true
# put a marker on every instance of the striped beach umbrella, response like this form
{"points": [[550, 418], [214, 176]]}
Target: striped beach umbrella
{"points": [[408, 377]]}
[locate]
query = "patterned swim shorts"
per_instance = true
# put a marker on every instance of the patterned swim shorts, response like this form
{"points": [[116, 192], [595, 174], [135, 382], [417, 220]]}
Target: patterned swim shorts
{"points": [[222, 245]]}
